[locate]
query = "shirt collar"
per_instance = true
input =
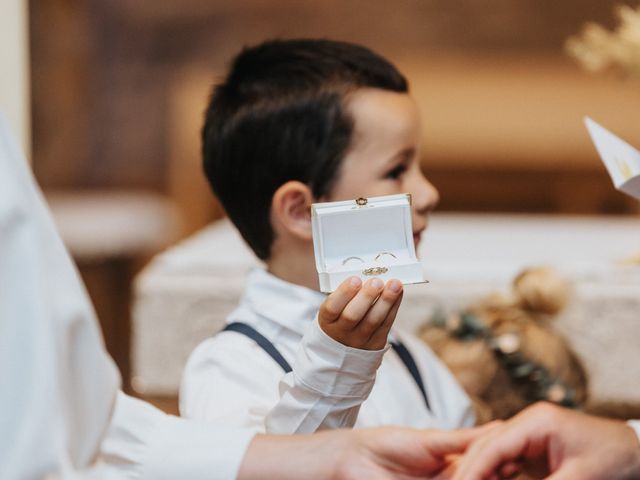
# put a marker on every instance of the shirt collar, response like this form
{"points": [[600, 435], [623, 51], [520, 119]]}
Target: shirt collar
{"points": [[289, 305]]}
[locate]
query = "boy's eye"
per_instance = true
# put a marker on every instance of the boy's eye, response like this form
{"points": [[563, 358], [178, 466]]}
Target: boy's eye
{"points": [[396, 172]]}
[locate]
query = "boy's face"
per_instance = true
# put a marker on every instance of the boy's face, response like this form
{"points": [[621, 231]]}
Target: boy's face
{"points": [[383, 158]]}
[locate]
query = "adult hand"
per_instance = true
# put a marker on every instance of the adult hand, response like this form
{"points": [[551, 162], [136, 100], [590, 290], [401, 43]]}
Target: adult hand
{"points": [[385, 453], [569, 444], [361, 315]]}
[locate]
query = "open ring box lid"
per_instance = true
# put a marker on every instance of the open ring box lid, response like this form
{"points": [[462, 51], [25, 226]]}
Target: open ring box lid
{"points": [[366, 237]]}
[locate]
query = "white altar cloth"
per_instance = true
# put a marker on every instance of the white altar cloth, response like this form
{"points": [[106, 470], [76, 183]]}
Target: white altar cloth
{"points": [[185, 293]]}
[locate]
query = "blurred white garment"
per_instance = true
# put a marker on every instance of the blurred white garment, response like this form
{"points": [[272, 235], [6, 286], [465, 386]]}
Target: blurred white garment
{"points": [[61, 413]]}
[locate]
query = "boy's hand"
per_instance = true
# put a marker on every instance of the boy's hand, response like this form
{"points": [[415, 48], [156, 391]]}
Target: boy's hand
{"points": [[360, 316]]}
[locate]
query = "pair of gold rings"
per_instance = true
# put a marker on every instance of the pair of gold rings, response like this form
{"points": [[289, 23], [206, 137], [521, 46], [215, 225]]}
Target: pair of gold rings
{"points": [[348, 259]]}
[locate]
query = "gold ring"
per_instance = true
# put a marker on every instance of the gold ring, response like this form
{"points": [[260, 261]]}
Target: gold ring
{"points": [[385, 253], [351, 258], [375, 271]]}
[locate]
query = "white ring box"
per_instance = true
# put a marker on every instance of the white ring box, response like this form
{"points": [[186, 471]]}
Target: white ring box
{"points": [[366, 237]]}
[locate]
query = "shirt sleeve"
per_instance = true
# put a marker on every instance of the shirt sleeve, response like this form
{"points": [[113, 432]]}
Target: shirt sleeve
{"points": [[326, 387], [144, 443], [229, 380]]}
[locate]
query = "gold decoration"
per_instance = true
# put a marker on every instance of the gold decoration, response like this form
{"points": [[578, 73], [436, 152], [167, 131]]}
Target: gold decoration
{"points": [[625, 168], [597, 48], [453, 322], [508, 343], [556, 393], [375, 271], [631, 260]]}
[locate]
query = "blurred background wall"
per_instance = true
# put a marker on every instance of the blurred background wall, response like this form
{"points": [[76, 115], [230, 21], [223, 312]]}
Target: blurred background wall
{"points": [[119, 87]]}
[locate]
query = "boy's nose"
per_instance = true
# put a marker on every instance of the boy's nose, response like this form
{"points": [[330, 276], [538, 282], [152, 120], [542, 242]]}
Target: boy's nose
{"points": [[424, 195]]}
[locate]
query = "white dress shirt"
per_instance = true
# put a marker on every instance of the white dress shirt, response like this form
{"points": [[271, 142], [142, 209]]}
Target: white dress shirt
{"points": [[229, 379], [61, 413]]}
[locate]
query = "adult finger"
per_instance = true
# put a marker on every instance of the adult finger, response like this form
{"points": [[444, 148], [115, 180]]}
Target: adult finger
{"points": [[502, 445], [510, 470], [569, 471], [441, 443]]}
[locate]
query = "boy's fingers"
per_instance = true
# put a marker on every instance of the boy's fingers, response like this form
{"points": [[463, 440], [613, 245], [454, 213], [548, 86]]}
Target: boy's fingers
{"points": [[379, 337], [358, 307], [383, 330], [393, 311], [333, 306], [377, 315]]}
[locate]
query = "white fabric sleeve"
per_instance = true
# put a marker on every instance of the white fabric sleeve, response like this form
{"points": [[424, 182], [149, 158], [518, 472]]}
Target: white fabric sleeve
{"points": [[145, 443], [57, 381], [635, 424], [60, 409], [327, 384], [229, 380]]}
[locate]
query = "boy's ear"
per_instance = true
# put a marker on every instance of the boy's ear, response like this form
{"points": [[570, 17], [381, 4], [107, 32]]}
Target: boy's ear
{"points": [[291, 209]]}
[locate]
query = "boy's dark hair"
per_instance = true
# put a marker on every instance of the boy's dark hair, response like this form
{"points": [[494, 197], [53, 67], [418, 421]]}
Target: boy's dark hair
{"points": [[278, 116]]}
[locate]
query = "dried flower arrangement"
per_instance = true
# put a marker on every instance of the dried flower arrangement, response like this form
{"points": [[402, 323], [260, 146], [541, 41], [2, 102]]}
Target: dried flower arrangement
{"points": [[597, 48], [504, 350]]}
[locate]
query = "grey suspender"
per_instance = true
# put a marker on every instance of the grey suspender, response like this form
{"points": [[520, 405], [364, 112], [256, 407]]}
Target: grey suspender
{"points": [[399, 348]]}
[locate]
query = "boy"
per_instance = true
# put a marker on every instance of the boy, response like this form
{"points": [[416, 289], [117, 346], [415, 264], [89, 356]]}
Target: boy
{"points": [[298, 122]]}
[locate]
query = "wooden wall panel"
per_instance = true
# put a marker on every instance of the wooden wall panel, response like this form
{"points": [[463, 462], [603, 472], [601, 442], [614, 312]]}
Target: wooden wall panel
{"points": [[109, 78]]}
